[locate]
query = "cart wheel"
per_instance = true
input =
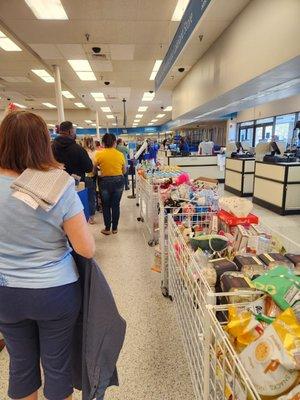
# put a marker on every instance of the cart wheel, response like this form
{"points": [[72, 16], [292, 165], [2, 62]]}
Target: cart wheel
{"points": [[171, 297], [137, 204], [151, 243], [165, 292]]}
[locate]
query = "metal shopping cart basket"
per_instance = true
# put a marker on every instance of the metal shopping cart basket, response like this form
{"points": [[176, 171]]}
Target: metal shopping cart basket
{"points": [[148, 203]]}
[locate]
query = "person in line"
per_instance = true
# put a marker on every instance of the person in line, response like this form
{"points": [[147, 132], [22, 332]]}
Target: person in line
{"points": [[184, 147], [124, 150], [112, 167], [91, 178], [38, 276], [67, 152], [98, 146]]}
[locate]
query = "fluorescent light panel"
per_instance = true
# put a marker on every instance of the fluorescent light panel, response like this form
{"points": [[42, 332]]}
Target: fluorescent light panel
{"points": [[139, 116], [51, 125], [143, 108], [160, 115], [156, 67], [136, 120], [43, 74], [49, 105], [67, 94], [79, 105], [110, 117], [19, 105], [83, 69], [88, 121], [150, 123], [154, 120], [169, 108], [106, 109], [7, 44], [114, 124], [179, 10], [47, 9], [94, 124], [147, 96]]}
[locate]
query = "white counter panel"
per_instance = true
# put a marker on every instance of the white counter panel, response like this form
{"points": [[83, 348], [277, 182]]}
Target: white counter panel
{"points": [[249, 166], [292, 197], [233, 179], [236, 165], [206, 171], [248, 183], [294, 174], [270, 171], [268, 191], [200, 160]]}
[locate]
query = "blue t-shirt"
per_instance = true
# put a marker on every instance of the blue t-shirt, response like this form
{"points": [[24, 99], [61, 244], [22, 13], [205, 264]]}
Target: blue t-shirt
{"points": [[34, 250]]}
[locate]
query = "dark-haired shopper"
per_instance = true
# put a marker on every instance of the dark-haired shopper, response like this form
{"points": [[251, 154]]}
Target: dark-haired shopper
{"points": [[113, 167], [67, 152]]}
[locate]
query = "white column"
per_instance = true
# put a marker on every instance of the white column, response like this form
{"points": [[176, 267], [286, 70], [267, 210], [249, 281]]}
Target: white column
{"points": [[58, 94], [97, 125]]}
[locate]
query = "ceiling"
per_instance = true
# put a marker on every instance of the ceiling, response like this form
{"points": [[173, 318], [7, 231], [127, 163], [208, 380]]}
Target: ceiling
{"points": [[132, 34]]}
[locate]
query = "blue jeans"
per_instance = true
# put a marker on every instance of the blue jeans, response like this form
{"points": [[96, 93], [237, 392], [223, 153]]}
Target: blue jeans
{"points": [[111, 189], [38, 325], [126, 179], [90, 184]]}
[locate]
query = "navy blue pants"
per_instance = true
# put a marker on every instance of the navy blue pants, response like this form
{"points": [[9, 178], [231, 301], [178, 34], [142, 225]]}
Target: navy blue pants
{"points": [[111, 190], [90, 184], [38, 325]]}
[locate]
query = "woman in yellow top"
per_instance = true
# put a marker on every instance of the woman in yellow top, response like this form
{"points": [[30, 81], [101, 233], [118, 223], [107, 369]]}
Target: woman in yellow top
{"points": [[112, 166]]}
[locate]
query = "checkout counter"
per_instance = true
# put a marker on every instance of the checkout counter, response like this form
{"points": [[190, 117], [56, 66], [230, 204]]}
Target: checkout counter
{"points": [[200, 165], [277, 187], [239, 176]]}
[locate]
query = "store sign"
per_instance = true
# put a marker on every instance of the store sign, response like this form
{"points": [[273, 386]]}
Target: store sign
{"points": [[189, 21]]}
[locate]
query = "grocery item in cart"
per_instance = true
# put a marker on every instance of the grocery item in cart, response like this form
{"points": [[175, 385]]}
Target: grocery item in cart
{"points": [[272, 260], [295, 259], [212, 243], [241, 239], [251, 266], [270, 360], [239, 283], [293, 395], [222, 265], [284, 287], [228, 222], [239, 207]]}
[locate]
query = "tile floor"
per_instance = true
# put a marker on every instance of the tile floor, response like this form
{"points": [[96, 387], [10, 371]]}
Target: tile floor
{"points": [[152, 364]]}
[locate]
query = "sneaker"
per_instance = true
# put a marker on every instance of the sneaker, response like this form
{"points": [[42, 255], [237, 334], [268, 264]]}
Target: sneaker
{"points": [[92, 221], [115, 231], [105, 232]]}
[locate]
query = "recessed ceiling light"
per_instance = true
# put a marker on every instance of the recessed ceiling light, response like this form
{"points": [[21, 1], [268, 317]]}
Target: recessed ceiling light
{"points": [[114, 124], [51, 125], [143, 108], [106, 109], [43, 74], [49, 105], [83, 69], [179, 10], [150, 123], [136, 120], [98, 96], [156, 67], [160, 115], [67, 94], [169, 108], [79, 127], [80, 105], [19, 105], [74, 125], [147, 96], [47, 9], [154, 120], [139, 116], [94, 124], [88, 121], [110, 116], [7, 44]]}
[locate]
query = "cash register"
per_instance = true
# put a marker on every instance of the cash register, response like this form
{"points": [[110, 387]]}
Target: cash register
{"points": [[275, 155], [240, 152]]}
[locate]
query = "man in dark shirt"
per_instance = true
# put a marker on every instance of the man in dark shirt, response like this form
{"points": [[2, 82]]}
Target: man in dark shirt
{"points": [[66, 151]]}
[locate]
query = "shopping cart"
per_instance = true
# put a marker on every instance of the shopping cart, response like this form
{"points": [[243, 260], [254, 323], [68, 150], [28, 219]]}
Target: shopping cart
{"points": [[148, 203], [215, 368]]}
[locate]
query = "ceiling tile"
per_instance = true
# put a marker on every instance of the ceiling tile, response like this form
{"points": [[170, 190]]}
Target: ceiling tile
{"points": [[72, 51], [101, 66], [20, 79], [122, 51], [47, 51]]}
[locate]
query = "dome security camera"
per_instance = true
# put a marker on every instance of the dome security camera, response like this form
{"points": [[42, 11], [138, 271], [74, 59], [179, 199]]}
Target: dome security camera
{"points": [[162, 107], [8, 99], [150, 91], [96, 50], [181, 69], [82, 95], [106, 83]]}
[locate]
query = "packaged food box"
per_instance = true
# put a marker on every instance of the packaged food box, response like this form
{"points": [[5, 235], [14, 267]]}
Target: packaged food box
{"points": [[232, 220], [295, 259], [242, 237], [250, 265], [236, 282], [222, 265], [272, 260]]}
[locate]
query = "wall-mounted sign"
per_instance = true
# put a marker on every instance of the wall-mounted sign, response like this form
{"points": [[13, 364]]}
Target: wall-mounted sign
{"points": [[189, 21]]}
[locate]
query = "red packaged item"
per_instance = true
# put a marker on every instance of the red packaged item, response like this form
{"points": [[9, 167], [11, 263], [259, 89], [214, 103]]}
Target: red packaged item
{"points": [[232, 220]]}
